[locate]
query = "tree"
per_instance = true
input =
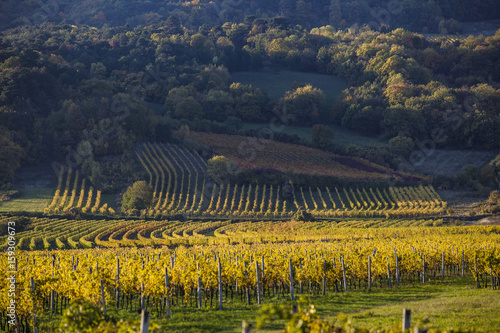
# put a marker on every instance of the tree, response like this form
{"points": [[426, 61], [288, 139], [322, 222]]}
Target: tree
{"points": [[173, 26], [409, 122], [11, 155], [401, 146], [218, 105], [236, 33], [285, 8], [335, 13], [278, 49], [249, 102], [303, 103], [203, 47], [138, 196], [220, 169], [303, 12], [189, 108], [322, 136], [249, 106], [98, 70], [494, 197]]}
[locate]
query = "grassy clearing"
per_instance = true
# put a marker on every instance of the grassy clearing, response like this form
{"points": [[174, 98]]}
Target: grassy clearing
{"points": [[276, 82], [450, 162], [342, 136], [29, 200], [439, 304]]}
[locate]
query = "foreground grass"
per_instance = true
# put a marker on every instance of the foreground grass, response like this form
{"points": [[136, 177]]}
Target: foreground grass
{"points": [[440, 304], [29, 200]]}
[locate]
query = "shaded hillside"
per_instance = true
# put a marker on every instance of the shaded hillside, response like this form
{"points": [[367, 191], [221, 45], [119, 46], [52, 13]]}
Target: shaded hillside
{"points": [[435, 16]]}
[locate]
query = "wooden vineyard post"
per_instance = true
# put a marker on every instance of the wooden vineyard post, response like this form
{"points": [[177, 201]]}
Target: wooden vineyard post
{"points": [[369, 272], [397, 270], [246, 327], [343, 274], [117, 282], [324, 278], [247, 289], [406, 319], [463, 262], [258, 281], [423, 268], [199, 285], [142, 296], [103, 296], [52, 292], [263, 267], [475, 270], [492, 278], [389, 273], [291, 278], [220, 284], [144, 321], [167, 299], [32, 282], [336, 281], [442, 266], [301, 287]]}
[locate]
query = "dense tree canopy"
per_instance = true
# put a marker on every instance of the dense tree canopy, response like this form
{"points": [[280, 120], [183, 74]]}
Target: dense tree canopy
{"points": [[63, 87], [442, 16]]}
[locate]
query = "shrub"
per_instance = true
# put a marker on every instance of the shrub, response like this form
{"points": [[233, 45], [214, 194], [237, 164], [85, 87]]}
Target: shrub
{"points": [[302, 215]]}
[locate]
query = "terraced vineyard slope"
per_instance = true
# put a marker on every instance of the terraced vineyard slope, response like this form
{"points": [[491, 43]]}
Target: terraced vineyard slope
{"points": [[260, 153], [76, 194], [178, 177]]}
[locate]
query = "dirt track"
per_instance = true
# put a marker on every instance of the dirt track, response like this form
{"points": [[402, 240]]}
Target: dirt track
{"points": [[491, 220]]}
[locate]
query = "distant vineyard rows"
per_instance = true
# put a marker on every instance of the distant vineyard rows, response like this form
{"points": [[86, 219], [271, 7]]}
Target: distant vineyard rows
{"points": [[59, 233], [180, 184], [178, 177], [76, 194], [259, 153]]}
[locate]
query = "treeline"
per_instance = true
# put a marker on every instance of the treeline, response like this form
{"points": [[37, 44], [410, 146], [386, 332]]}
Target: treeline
{"points": [[77, 92], [441, 16]]}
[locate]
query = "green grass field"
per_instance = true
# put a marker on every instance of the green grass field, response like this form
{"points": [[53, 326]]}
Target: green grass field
{"points": [[441, 304], [29, 200], [276, 82], [342, 136]]}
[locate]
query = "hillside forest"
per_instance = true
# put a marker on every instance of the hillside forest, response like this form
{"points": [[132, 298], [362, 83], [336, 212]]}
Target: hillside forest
{"points": [[84, 90]]}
